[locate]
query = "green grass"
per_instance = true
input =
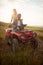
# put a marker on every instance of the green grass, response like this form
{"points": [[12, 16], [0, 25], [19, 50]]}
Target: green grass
{"points": [[40, 37], [3, 27]]}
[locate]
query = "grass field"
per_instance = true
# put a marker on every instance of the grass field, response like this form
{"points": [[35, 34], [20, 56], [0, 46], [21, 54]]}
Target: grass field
{"points": [[22, 56]]}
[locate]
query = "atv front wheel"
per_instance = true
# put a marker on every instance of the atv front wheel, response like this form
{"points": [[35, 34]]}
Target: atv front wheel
{"points": [[14, 44], [8, 40]]}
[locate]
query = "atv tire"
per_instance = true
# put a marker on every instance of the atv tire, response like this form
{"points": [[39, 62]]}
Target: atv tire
{"points": [[14, 45], [8, 40], [35, 44]]}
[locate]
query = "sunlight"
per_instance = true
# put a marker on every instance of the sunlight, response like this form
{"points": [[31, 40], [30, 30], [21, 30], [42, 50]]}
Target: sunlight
{"points": [[31, 14]]}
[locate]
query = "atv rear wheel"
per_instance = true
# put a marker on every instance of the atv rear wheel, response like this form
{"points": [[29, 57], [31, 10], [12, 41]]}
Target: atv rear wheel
{"points": [[14, 44]]}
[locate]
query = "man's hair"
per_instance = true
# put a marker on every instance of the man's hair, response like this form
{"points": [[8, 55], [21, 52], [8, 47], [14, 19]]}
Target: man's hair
{"points": [[19, 14]]}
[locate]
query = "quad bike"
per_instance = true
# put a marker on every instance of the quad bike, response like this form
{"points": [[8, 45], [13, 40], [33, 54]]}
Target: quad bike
{"points": [[22, 36]]}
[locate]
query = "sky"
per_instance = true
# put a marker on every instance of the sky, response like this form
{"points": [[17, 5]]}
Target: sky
{"points": [[31, 11]]}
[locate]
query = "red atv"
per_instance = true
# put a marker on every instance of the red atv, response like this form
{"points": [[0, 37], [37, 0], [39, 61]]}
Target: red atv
{"points": [[21, 37]]}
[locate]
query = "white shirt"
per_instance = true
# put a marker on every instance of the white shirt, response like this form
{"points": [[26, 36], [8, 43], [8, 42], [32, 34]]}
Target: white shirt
{"points": [[19, 23]]}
